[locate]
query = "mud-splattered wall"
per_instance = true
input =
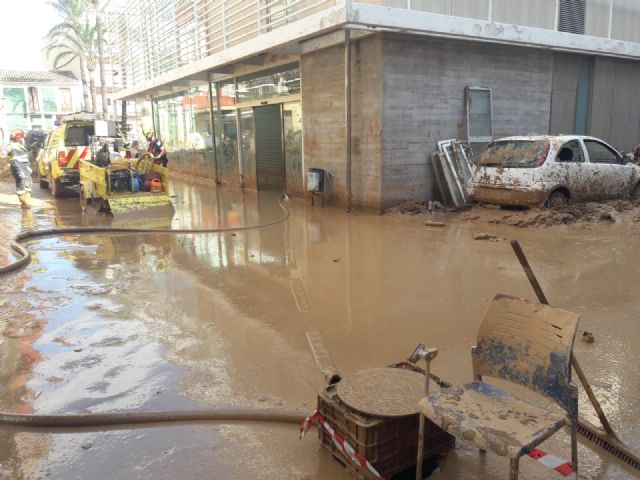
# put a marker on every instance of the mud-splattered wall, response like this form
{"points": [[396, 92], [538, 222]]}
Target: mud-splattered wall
{"points": [[194, 163], [424, 101], [324, 120]]}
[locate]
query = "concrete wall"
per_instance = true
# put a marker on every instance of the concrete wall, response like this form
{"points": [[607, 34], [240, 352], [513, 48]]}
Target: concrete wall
{"points": [[424, 101], [614, 113], [566, 69], [323, 120], [615, 102]]}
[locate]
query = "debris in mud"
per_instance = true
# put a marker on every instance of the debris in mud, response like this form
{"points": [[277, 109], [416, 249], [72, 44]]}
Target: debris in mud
{"points": [[572, 214], [410, 207], [431, 223], [587, 337], [492, 237], [86, 445]]}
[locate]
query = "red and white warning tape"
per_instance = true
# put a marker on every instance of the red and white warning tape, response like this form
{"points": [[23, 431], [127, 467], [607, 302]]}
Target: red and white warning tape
{"points": [[343, 446], [561, 466]]}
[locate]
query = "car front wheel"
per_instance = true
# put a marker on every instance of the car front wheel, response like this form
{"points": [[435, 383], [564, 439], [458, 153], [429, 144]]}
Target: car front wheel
{"points": [[557, 199], [635, 193]]}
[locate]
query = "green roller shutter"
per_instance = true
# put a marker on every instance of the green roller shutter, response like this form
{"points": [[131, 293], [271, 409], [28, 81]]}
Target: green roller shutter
{"points": [[269, 150]]}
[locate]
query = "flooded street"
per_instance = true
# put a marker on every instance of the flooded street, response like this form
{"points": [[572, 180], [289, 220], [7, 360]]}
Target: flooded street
{"points": [[106, 323]]}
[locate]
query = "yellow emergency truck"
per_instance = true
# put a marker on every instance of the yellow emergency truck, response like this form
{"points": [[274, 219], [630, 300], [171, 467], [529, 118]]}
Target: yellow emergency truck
{"points": [[65, 146]]}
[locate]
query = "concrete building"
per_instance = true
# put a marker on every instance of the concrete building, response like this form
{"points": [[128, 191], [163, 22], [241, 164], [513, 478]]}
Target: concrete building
{"points": [[256, 93], [35, 99]]}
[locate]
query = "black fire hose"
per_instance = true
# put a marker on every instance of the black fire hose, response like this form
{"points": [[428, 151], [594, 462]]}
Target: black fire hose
{"points": [[146, 419], [25, 255], [98, 420]]}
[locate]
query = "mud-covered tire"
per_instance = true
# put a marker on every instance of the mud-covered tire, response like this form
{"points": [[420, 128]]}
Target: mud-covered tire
{"points": [[635, 192], [557, 199]]}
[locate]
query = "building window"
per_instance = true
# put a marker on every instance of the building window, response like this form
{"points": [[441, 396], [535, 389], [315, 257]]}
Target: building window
{"points": [[65, 97], [183, 120], [278, 82], [34, 102], [49, 104], [571, 14], [479, 118], [14, 101]]}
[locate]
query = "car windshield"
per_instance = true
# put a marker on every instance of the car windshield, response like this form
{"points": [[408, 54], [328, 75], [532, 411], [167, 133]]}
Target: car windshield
{"points": [[78, 135], [515, 154]]}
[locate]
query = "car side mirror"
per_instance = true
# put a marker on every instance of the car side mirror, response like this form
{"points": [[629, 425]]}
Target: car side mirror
{"points": [[626, 158]]}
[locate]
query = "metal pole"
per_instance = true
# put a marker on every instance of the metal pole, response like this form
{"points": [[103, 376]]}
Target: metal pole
{"points": [[153, 118], [213, 130], [239, 146], [517, 249], [610, 18], [347, 110]]}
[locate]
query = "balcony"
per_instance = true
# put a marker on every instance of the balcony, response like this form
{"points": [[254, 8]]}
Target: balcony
{"points": [[187, 39]]}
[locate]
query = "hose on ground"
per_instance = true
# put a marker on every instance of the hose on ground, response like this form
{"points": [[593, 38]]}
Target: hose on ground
{"points": [[145, 419], [136, 419], [25, 254]]}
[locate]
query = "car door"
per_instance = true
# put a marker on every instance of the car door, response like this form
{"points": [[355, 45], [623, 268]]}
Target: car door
{"points": [[568, 169], [610, 177], [42, 157]]}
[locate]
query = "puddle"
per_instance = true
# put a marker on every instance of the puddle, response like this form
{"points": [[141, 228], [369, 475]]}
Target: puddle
{"points": [[151, 321]]}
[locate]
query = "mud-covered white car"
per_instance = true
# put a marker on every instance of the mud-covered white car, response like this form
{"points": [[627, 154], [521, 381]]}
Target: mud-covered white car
{"points": [[552, 170]]}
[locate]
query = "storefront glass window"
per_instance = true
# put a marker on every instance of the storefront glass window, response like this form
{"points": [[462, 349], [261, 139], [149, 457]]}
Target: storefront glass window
{"points": [[248, 145], [183, 120], [199, 136], [226, 127], [143, 121], [278, 82]]}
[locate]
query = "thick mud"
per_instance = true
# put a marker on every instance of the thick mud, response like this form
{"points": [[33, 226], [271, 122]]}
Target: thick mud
{"points": [[615, 211], [149, 321]]}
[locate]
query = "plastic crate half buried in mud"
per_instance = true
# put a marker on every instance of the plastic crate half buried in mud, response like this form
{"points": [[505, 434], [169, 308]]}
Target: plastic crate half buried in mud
{"points": [[389, 444]]}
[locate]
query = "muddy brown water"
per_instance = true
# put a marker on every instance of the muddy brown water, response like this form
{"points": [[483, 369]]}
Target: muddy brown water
{"points": [[150, 321]]}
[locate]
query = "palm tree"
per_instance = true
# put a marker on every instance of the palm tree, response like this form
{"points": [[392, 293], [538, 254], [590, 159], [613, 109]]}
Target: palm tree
{"points": [[95, 7], [72, 14], [68, 44]]}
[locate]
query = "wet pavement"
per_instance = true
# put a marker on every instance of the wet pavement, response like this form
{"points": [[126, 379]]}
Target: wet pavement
{"points": [[105, 323]]}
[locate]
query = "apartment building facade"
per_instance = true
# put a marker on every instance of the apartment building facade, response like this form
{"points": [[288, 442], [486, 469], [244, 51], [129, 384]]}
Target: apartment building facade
{"points": [[35, 99], [254, 93]]}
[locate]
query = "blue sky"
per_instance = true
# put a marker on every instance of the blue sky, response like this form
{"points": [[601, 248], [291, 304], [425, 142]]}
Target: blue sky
{"points": [[24, 23]]}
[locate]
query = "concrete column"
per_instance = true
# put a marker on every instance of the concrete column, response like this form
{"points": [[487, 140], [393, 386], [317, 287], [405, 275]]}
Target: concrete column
{"points": [[347, 111]]}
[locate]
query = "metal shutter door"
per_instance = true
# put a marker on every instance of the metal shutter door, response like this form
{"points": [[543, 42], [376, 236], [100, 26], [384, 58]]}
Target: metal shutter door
{"points": [[269, 151]]}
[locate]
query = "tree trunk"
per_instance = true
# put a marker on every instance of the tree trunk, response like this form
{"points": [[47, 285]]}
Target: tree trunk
{"points": [[92, 89], [99, 33], [85, 85]]}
